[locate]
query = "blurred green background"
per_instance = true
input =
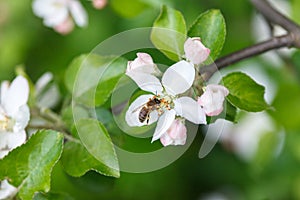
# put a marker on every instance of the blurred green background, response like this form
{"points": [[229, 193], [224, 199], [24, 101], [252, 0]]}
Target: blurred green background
{"points": [[25, 41]]}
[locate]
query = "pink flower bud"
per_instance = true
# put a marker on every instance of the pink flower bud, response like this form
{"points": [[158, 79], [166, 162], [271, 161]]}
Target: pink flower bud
{"points": [[99, 4], [65, 27], [212, 99], [143, 63], [175, 135], [195, 51]]}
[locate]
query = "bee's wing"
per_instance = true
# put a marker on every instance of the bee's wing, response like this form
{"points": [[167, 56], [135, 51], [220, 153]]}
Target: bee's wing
{"points": [[139, 107]]}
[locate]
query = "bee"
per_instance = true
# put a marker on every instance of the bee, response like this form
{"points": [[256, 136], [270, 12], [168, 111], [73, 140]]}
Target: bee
{"points": [[153, 104]]}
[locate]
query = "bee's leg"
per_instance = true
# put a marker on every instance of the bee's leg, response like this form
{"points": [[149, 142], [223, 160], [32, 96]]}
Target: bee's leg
{"points": [[148, 118]]}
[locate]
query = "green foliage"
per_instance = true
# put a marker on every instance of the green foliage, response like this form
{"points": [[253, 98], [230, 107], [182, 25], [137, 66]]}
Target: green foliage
{"points": [[169, 33], [130, 8], [287, 106], [92, 78], [77, 161], [29, 167], [244, 92], [97, 142], [210, 27], [52, 196]]}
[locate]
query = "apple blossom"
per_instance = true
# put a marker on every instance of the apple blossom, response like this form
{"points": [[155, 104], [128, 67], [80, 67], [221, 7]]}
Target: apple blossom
{"points": [[212, 99], [99, 4], [195, 51], [144, 64], [58, 13], [14, 117], [175, 135], [176, 80]]}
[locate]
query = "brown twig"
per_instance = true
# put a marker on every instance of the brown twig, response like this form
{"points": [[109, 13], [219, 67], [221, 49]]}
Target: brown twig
{"points": [[292, 39]]}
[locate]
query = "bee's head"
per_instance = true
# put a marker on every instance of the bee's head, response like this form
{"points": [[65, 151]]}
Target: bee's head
{"points": [[156, 100]]}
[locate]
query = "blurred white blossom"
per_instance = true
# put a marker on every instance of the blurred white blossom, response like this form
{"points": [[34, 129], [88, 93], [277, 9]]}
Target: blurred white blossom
{"points": [[59, 14]]}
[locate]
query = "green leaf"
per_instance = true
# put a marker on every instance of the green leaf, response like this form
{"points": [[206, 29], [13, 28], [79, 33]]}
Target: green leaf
{"points": [[29, 167], [210, 27], [92, 78], [76, 161], [129, 9], [52, 196], [97, 142], [244, 92], [169, 33]]}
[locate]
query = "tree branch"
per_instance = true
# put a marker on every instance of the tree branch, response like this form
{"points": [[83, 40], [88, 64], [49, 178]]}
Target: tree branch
{"points": [[274, 43], [292, 39], [274, 16]]}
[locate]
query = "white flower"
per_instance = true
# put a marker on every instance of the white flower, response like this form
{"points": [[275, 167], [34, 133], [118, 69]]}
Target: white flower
{"points": [[7, 191], [56, 13], [212, 99], [195, 51], [175, 135], [176, 80], [14, 114], [14, 117], [144, 64]]}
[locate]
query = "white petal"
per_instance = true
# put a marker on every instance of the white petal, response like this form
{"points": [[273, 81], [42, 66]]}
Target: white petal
{"points": [[178, 78], [21, 118], [146, 82], [10, 140], [16, 95], [56, 18], [132, 114], [163, 124], [44, 8], [43, 81], [190, 109], [4, 88], [7, 191], [78, 13]]}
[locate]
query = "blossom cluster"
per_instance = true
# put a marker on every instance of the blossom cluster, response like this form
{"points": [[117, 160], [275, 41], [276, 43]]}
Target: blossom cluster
{"points": [[14, 117], [168, 104], [61, 14]]}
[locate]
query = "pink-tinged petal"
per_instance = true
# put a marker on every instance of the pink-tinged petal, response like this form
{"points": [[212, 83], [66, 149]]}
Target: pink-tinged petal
{"points": [[78, 13], [212, 99], [178, 78], [146, 82], [7, 191], [10, 140], [175, 135], [65, 27], [4, 89], [143, 63], [190, 110], [16, 95], [99, 4], [163, 124], [132, 114], [195, 51]]}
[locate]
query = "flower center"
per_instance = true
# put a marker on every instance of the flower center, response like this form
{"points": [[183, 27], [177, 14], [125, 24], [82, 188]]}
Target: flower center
{"points": [[6, 124]]}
